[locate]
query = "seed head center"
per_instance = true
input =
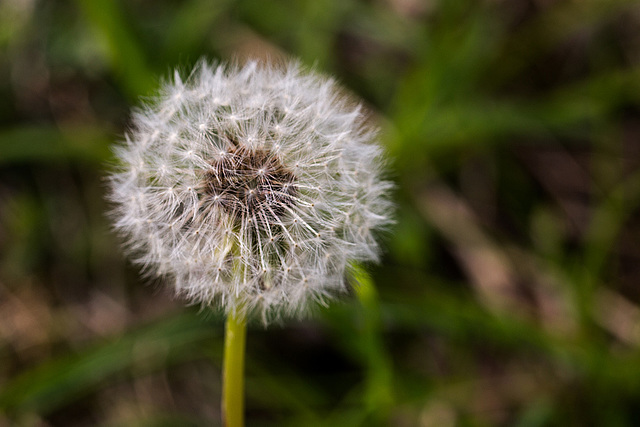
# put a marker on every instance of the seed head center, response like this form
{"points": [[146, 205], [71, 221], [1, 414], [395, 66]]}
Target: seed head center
{"points": [[250, 183]]}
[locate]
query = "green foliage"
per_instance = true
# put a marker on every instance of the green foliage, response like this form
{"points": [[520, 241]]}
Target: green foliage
{"points": [[508, 294]]}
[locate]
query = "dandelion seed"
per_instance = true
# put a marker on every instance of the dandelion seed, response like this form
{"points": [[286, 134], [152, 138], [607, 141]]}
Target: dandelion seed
{"points": [[244, 197]]}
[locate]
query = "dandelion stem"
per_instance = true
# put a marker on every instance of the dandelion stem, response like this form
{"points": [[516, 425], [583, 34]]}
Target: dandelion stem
{"points": [[233, 370]]}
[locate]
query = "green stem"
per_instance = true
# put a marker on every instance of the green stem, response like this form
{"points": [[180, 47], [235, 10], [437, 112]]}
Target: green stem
{"points": [[379, 385], [233, 370]]}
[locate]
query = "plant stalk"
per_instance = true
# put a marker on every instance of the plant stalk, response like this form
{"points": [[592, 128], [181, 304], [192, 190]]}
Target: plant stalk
{"points": [[233, 370]]}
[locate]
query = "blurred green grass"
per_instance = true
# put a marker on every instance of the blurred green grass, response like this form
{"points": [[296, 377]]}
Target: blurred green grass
{"points": [[508, 294]]}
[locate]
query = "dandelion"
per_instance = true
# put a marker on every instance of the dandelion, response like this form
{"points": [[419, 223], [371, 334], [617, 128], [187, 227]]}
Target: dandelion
{"points": [[250, 188]]}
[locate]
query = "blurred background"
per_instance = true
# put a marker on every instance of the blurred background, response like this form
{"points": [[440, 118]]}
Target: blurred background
{"points": [[509, 292]]}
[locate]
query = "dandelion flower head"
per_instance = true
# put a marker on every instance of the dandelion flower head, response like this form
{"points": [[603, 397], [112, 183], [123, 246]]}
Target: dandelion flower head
{"points": [[250, 187]]}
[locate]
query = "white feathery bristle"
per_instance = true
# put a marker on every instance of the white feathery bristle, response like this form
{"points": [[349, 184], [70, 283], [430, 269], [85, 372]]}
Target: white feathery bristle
{"points": [[251, 188]]}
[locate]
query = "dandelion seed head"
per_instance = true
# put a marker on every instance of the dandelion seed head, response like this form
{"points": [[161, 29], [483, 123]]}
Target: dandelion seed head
{"points": [[250, 188]]}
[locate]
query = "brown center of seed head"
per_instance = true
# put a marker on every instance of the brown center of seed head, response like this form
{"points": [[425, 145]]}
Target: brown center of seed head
{"points": [[250, 183]]}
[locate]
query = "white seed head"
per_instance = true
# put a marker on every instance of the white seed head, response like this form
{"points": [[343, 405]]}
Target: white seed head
{"points": [[251, 188]]}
